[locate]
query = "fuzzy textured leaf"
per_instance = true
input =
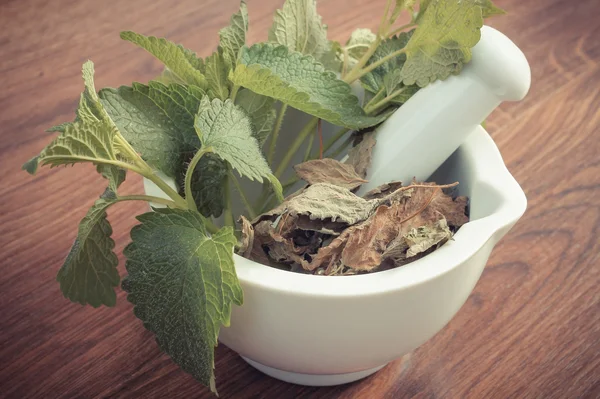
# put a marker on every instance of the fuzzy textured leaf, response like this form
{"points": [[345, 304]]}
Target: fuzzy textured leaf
{"points": [[375, 80], [298, 26], [301, 82], [228, 130], [182, 283], [167, 77], [330, 171], [362, 39], [157, 120], [260, 110], [327, 201], [420, 239], [90, 138], [208, 185], [331, 58], [181, 61], [113, 174], [82, 142], [89, 275], [442, 43], [233, 37], [217, 71]]}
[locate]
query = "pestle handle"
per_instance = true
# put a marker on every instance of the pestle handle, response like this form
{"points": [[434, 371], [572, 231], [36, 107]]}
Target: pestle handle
{"points": [[429, 127]]}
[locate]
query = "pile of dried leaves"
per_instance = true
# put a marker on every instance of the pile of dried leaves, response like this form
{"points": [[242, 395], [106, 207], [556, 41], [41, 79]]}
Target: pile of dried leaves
{"points": [[327, 229]]}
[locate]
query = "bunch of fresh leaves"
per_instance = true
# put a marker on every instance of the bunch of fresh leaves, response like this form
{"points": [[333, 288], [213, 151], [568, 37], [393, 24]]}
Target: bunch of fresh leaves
{"points": [[209, 122]]}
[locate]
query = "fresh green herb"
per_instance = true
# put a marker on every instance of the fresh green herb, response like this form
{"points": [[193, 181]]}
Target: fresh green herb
{"points": [[207, 122]]}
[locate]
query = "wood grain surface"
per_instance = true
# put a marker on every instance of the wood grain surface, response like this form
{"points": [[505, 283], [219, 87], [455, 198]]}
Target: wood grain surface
{"points": [[530, 329]]}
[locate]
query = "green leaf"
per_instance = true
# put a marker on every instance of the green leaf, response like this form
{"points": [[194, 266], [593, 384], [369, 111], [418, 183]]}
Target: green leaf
{"points": [[442, 43], [82, 142], [228, 130], [393, 86], [208, 185], [373, 81], [31, 165], [157, 120], [362, 39], [301, 82], [331, 58], [260, 110], [179, 60], [167, 77], [182, 283], [89, 274], [298, 26], [277, 188], [216, 76], [233, 37], [92, 137], [489, 9], [113, 174]]}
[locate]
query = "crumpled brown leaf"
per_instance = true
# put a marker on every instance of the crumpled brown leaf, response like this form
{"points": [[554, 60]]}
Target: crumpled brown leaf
{"points": [[247, 239], [360, 156], [364, 247], [383, 190], [327, 229], [330, 171]]}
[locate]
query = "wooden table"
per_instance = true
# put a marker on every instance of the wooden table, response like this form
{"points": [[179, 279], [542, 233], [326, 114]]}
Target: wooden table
{"points": [[531, 328]]}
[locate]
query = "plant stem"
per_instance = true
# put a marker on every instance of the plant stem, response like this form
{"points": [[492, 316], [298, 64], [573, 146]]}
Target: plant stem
{"points": [[357, 45], [344, 62], [178, 199], [308, 129], [384, 24], [340, 133], [374, 107], [249, 207], [309, 148], [234, 92], [379, 62], [320, 132], [400, 29], [149, 198], [189, 197], [275, 134], [356, 70], [141, 167], [375, 98], [227, 212]]}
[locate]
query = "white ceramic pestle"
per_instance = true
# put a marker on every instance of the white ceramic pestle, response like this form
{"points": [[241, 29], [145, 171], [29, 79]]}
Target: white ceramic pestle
{"points": [[426, 130]]}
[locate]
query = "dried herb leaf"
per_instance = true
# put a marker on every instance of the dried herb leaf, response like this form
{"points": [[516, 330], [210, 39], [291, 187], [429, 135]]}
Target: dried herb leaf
{"points": [[414, 211], [247, 240], [360, 156], [383, 190], [367, 242], [329, 171], [328, 202], [421, 238]]}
